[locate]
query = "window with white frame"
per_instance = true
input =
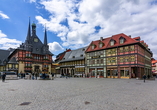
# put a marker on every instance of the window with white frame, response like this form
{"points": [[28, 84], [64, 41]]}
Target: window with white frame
{"points": [[121, 40], [112, 42]]}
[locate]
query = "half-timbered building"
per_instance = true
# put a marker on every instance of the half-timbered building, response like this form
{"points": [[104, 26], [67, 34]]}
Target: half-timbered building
{"points": [[30, 56], [118, 56]]}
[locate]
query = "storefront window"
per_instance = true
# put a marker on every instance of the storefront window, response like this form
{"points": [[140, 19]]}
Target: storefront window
{"points": [[108, 72], [93, 73], [124, 73]]}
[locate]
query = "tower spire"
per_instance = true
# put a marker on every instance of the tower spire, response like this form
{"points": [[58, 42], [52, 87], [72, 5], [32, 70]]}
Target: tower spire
{"points": [[29, 31], [45, 37]]}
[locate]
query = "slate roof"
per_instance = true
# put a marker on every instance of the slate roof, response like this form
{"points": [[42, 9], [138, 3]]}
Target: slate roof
{"points": [[13, 60], [34, 44], [61, 55], [73, 55], [3, 56]]}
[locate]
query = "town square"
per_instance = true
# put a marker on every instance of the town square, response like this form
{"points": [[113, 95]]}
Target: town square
{"points": [[78, 55], [78, 94]]}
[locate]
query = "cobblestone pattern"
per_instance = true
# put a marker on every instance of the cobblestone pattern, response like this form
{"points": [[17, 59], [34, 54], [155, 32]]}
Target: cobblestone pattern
{"points": [[78, 94]]}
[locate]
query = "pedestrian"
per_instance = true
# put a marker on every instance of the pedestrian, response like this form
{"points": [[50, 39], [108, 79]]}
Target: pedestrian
{"points": [[33, 76], [30, 75], [144, 77], [36, 75], [148, 76], [44, 76], [66, 75], [24, 74], [52, 74], [3, 77]]}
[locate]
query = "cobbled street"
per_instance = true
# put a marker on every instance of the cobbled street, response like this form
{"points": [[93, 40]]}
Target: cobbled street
{"points": [[78, 94]]}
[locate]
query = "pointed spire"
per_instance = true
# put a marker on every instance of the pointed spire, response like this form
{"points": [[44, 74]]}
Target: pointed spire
{"points": [[45, 37], [29, 31]]}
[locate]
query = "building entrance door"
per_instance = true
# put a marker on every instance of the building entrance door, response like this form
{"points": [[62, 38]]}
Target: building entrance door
{"points": [[36, 69], [112, 73]]}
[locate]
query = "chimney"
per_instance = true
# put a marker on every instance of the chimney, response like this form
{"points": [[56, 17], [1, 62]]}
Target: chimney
{"points": [[129, 36], [101, 38]]}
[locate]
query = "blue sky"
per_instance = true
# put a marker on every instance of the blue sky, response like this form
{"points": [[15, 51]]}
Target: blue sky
{"points": [[75, 23]]}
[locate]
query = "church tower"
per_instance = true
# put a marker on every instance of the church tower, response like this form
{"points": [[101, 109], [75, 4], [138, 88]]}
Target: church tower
{"points": [[45, 46]]}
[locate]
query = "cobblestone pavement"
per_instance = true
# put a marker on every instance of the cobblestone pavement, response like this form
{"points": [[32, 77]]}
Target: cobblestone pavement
{"points": [[78, 94]]}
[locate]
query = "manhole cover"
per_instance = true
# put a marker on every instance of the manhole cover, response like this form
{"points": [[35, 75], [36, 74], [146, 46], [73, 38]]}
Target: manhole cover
{"points": [[138, 83], [25, 103], [87, 102], [11, 89]]}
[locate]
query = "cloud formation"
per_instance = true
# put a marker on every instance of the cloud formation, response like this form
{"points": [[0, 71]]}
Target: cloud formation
{"points": [[55, 46], [6, 43], [4, 16], [76, 22]]}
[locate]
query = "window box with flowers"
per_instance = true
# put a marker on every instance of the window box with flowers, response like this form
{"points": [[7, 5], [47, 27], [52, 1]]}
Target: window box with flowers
{"points": [[28, 57], [28, 66]]}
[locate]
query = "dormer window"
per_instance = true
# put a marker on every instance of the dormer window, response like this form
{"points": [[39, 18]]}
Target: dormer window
{"points": [[93, 46], [112, 42], [121, 40], [81, 55], [101, 44], [73, 56]]}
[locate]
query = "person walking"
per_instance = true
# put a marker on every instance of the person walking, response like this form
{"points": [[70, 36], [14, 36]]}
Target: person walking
{"points": [[52, 75], [36, 75], [33, 76], [3, 77], [144, 77], [66, 75], [148, 76]]}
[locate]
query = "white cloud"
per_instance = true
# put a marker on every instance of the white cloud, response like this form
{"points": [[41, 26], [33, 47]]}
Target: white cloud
{"points": [[4, 16], [55, 46], [131, 17], [6, 43], [31, 1]]}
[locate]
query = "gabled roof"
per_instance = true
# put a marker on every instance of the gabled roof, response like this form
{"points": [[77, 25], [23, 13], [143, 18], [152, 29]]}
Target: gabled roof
{"points": [[154, 61], [34, 44], [13, 60], [106, 41], [72, 55], [61, 55]]}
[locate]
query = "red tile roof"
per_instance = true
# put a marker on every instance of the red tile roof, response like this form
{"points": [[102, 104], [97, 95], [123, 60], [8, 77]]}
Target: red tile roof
{"points": [[106, 41], [136, 38], [154, 61]]}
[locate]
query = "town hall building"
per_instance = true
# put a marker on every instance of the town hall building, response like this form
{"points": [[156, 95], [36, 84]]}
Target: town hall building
{"points": [[31, 56]]}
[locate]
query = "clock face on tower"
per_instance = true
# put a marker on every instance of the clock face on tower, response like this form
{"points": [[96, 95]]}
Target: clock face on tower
{"points": [[35, 39]]}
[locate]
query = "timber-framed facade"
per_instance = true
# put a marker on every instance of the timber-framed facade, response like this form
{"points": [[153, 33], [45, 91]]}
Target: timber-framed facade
{"points": [[119, 56]]}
